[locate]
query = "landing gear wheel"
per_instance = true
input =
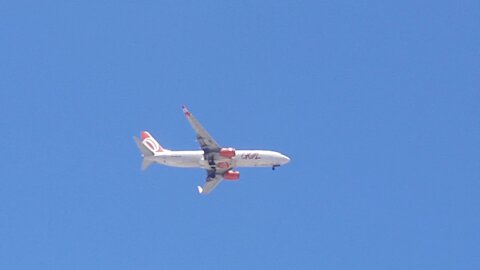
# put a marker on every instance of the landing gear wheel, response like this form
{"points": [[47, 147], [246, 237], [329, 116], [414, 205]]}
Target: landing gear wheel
{"points": [[211, 162]]}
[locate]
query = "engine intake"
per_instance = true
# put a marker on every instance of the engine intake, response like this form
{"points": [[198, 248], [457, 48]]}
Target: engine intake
{"points": [[231, 175], [227, 152]]}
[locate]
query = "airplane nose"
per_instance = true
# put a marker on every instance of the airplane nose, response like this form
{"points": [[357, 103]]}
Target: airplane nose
{"points": [[285, 159]]}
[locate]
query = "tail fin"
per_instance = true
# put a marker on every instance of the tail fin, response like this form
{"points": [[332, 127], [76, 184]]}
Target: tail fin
{"points": [[148, 146], [151, 143], [146, 154]]}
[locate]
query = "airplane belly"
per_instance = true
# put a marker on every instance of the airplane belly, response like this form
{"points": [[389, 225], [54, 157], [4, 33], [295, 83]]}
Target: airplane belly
{"points": [[186, 161], [253, 163], [253, 158], [181, 163]]}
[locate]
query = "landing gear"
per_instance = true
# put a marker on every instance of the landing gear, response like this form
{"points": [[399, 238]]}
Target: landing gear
{"points": [[211, 162], [211, 173], [274, 166]]}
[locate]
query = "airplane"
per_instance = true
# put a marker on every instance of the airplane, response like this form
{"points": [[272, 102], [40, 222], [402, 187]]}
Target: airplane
{"points": [[219, 162]]}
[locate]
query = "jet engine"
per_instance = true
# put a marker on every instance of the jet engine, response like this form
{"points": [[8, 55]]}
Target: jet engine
{"points": [[231, 175], [227, 152]]}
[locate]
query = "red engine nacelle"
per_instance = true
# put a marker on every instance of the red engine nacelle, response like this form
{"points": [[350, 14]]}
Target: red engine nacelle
{"points": [[227, 152], [231, 175]]}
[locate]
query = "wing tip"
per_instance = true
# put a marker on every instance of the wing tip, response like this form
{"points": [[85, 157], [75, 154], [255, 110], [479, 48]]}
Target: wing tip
{"points": [[185, 110], [200, 189]]}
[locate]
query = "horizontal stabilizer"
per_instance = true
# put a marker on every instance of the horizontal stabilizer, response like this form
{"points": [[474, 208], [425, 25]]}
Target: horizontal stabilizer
{"points": [[146, 163]]}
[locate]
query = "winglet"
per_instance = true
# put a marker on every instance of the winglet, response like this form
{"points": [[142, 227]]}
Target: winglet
{"points": [[200, 189], [185, 110]]}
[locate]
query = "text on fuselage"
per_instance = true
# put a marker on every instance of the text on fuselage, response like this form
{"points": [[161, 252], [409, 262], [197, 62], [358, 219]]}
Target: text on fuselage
{"points": [[251, 156]]}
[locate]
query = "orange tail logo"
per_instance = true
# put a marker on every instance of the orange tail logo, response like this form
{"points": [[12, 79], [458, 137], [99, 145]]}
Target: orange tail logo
{"points": [[151, 143]]}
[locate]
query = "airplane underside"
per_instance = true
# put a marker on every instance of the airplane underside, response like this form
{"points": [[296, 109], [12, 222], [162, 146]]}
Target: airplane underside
{"points": [[219, 162], [196, 159]]}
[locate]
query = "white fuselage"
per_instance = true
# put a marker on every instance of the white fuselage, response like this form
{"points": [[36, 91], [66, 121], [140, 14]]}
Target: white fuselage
{"points": [[243, 158]]}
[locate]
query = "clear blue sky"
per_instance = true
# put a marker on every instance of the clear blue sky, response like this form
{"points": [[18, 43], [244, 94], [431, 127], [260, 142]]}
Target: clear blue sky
{"points": [[376, 102]]}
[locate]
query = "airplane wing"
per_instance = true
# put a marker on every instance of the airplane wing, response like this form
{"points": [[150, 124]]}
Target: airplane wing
{"points": [[210, 184], [206, 141]]}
